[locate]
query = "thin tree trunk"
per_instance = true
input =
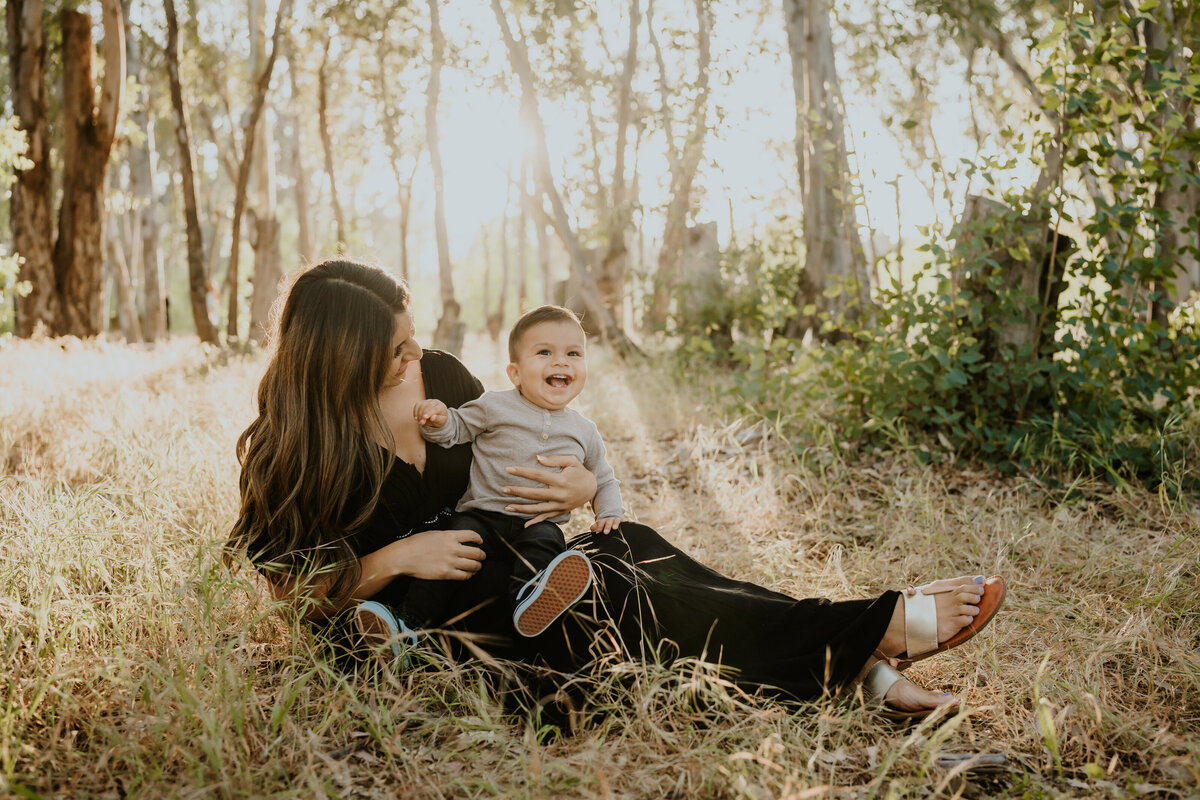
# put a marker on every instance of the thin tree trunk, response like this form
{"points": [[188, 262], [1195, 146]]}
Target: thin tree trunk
{"points": [[141, 178], [505, 257], [683, 173], [404, 184], [299, 173], [126, 307], [603, 318], [197, 275], [89, 131], [265, 240], [449, 333], [833, 250], [522, 244], [614, 262], [29, 206], [249, 136], [327, 147]]}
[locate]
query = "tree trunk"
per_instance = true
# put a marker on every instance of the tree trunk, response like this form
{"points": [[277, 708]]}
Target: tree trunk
{"points": [[197, 275], [299, 174], [126, 307], [522, 245], [391, 136], [833, 250], [327, 146], [88, 136], [141, 178], [29, 207], [601, 317], [450, 331], [265, 239], [614, 263], [249, 136], [543, 244], [685, 161]]}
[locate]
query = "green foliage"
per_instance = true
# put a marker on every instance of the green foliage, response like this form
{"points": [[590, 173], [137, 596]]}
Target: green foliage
{"points": [[1100, 391]]}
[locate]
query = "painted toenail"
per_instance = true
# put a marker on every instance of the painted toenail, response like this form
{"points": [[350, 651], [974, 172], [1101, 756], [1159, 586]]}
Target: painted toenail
{"points": [[979, 579]]}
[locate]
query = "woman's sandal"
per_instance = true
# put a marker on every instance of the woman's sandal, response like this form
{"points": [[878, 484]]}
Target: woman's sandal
{"points": [[920, 622], [875, 685]]}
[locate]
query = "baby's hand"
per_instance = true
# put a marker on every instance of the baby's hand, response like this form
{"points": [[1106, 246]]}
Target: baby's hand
{"points": [[606, 524], [430, 413]]}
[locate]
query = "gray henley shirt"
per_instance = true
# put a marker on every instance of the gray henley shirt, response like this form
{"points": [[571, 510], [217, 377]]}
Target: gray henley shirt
{"points": [[507, 430]]}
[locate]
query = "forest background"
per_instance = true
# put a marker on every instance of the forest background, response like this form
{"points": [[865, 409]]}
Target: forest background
{"points": [[949, 239]]}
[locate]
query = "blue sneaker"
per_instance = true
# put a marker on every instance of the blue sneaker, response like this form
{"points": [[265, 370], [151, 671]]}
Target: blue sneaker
{"points": [[379, 625], [545, 596]]}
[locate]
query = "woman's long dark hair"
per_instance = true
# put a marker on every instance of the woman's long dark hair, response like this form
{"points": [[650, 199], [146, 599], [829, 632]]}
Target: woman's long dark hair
{"points": [[312, 464]]}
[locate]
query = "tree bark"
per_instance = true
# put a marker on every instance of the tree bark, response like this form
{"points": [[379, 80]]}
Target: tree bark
{"points": [[141, 178], [614, 263], [299, 174], [197, 274], [683, 173], [602, 318], [126, 307], [404, 183], [29, 207], [265, 240], [327, 147], [249, 135], [833, 250], [89, 131], [449, 333]]}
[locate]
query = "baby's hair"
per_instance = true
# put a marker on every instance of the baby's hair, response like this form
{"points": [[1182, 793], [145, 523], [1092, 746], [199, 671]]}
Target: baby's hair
{"points": [[536, 316]]}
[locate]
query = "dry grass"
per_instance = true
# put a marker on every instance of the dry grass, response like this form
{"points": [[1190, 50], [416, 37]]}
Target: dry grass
{"points": [[135, 665]]}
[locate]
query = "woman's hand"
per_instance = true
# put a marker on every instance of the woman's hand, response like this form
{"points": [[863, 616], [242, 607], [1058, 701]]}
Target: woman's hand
{"points": [[438, 555], [563, 491]]}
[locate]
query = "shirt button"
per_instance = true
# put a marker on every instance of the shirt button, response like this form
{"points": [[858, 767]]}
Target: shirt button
{"points": [[544, 436]]}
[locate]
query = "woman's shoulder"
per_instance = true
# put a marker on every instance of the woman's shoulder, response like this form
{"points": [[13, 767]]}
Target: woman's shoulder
{"points": [[447, 379]]}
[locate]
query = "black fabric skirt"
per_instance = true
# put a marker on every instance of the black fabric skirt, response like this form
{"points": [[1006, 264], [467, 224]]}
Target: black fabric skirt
{"points": [[652, 602]]}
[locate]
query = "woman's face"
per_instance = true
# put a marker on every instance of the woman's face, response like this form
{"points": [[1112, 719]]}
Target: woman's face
{"points": [[405, 350]]}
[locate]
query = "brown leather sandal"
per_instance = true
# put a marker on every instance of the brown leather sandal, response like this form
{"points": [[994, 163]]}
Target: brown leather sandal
{"points": [[920, 621]]}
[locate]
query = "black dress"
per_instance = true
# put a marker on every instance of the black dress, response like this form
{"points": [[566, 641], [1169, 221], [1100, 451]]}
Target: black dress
{"points": [[650, 600]]}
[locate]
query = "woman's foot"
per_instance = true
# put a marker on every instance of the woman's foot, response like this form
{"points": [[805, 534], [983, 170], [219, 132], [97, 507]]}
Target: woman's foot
{"points": [[898, 698], [940, 615], [904, 695]]}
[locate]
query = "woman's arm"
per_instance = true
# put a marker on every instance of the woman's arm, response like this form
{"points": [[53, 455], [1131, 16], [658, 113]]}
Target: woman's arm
{"points": [[430, 555], [564, 490]]}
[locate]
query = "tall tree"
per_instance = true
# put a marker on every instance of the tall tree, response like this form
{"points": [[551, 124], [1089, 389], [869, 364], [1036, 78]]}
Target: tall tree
{"points": [[89, 132], [833, 249], [449, 332], [684, 159], [29, 206], [141, 178], [327, 144], [601, 316], [197, 271], [264, 221], [304, 241], [249, 135]]}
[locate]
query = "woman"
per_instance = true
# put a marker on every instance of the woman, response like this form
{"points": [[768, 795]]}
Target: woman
{"points": [[342, 501]]}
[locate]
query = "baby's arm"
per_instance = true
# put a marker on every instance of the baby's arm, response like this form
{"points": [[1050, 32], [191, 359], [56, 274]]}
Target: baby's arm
{"points": [[451, 426], [607, 504], [430, 413]]}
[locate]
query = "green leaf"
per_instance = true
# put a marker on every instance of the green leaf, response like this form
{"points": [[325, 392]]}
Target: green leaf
{"points": [[1148, 5]]}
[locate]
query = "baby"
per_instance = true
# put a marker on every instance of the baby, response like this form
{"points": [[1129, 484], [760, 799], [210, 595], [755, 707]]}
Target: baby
{"points": [[546, 350]]}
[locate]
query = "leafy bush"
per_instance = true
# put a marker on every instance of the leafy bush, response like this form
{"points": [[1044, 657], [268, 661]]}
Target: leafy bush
{"points": [[1107, 387]]}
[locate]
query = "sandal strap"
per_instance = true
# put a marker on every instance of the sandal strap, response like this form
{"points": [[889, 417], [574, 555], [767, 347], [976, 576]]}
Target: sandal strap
{"points": [[878, 680], [920, 622]]}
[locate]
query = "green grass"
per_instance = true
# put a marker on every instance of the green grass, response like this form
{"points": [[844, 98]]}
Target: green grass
{"points": [[135, 664]]}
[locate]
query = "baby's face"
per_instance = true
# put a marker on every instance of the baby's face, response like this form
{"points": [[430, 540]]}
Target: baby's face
{"points": [[551, 365]]}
